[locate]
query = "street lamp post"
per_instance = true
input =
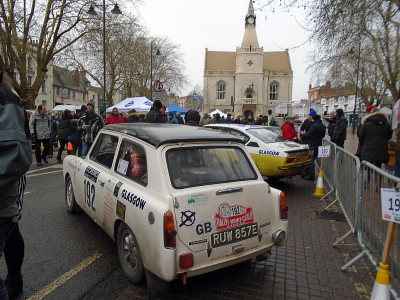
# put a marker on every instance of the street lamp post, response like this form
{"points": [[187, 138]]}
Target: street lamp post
{"points": [[355, 99], [115, 11], [151, 68]]}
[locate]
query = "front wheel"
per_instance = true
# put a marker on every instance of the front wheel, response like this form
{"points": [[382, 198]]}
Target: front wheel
{"points": [[129, 254], [72, 206]]}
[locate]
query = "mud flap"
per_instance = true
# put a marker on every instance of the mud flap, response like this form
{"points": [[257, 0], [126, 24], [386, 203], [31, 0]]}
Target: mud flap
{"points": [[155, 285]]}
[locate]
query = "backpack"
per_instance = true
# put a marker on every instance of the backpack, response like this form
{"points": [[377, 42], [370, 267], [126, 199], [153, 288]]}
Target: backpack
{"points": [[15, 142]]}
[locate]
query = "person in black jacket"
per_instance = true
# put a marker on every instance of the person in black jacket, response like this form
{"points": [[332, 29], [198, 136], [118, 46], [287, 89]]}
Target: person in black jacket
{"points": [[339, 132], [15, 160], [154, 115], [374, 134], [331, 124], [313, 137]]}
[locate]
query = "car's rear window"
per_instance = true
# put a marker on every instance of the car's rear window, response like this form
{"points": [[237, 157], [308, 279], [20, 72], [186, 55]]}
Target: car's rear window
{"points": [[209, 165], [265, 135]]}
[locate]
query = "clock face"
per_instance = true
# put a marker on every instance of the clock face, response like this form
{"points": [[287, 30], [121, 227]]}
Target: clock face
{"points": [[250, 20]]}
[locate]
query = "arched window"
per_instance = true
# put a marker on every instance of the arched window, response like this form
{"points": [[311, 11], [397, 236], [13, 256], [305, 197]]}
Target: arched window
{"points": [[249, 92], [221, 90], [274, 91]]}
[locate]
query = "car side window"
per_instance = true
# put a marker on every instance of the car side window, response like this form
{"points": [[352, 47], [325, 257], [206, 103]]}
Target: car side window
{"points": [[104, 150], [131, 162]]}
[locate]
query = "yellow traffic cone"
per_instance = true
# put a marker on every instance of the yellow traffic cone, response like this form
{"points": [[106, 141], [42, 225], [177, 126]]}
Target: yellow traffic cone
{"points": [[381, 288], [319, 189]]}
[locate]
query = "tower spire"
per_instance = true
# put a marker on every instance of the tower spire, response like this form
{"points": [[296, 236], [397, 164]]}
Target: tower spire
{"points": [[250, 11], [250, 35]]}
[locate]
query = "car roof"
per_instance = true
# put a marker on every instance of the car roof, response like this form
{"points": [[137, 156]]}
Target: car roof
{"points": [[157, 134], [243, 126]]}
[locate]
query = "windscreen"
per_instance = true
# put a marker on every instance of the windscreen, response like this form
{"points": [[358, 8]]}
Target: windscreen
{"points": [[265, 135], [203, 166]]}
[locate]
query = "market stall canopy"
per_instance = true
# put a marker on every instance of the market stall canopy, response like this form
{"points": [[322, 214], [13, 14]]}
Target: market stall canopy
{"points": [[141, 104], [217, 111], [174, 108], [72, 108]]}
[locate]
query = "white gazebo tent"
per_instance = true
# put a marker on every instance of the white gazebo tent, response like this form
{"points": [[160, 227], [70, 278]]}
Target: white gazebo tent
{"points": [[141, 104], [217, 111]]}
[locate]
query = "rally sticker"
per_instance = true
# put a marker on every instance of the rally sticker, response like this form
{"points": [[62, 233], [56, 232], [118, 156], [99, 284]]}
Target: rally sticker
{"points": [[92, 174], [230, 216], [133, 199], [116, 188], [267, 152], [188, 217], [198, 199], [121, 208]]}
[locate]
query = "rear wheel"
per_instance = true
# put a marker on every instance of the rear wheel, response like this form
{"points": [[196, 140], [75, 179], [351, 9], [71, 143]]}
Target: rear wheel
{"points": [[72, 206], [129, 254]]}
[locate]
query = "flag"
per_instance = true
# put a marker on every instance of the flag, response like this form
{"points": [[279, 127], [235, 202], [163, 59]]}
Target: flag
{"points": [[195, 96]]}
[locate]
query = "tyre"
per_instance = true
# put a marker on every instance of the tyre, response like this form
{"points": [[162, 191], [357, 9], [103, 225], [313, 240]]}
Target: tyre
{"points": [[129, 254], [72, 206]]}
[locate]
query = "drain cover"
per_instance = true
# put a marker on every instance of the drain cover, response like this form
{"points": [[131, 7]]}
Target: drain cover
{"points": [[331, 215]]}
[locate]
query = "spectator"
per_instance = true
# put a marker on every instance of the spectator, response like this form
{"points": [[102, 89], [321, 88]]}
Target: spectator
{"points": [[390, 165], [154, 115], [313, 137], [264, 119], [115, 117], [397, 148], [76, 136], [64, 131], [289, 133], [142, 118], [305, 126], [15, 160], [339, 132], [272, 121], [53, 135], [192, 118], [163, 112], [206, 119], [237, 120], [90, 123], [375, 132], [229, 119], [83, 110], [331, 124], [132, 116], [172, 119], [39, 126], [179, 118], [250, 119]]}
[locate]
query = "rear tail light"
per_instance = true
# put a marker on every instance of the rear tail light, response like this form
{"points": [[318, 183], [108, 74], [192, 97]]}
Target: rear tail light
{"points": [[186, 260], [291, 160], [283, 206], [169, 230]]}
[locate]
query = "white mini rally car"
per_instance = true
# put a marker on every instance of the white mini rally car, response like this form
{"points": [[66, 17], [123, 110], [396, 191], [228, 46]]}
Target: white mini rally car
{"points": [[273, 156], [178, 200]]}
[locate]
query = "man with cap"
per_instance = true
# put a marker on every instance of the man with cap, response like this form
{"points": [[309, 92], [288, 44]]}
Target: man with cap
{"points": [[313, 137], [339, 131], [154, 115], [90, 123], [306, 124], [289, 133]]}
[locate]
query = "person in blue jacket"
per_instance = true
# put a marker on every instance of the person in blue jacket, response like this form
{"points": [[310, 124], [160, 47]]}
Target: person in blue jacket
{"points": [[313, 137]]}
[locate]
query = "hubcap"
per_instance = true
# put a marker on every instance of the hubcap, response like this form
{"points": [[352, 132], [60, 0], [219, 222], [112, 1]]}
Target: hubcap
{"points": [[130, 250], [69, 194]]}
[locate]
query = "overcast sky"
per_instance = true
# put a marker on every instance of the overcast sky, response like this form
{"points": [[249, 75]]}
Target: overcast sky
{"points": [[219, 26]]}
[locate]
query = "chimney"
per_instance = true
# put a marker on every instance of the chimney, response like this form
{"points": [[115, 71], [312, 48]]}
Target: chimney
{"points": [[76, 77], [328, 87]]}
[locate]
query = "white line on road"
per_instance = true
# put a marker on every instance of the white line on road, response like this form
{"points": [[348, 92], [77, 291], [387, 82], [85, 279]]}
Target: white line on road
{"points": [[65, 277], [44, 173], [44, 168]]}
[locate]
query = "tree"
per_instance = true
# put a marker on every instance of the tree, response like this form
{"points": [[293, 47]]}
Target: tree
{"points": [[38, 30], [372, 25]]}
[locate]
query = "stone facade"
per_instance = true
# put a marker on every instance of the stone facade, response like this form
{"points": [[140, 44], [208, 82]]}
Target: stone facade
{"points": [[248, 80]]}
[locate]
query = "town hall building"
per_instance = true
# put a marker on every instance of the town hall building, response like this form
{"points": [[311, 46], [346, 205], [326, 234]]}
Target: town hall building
{"points": [[248, 80]]}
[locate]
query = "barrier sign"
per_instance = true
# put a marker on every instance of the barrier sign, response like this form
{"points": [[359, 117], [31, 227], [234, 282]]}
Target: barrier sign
{"points": [[390, 199], [324, 151]]}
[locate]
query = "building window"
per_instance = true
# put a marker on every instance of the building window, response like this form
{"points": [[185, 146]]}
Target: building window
{"points": [[73, 95], [58, 91], [84, 97], [273, 91], [94, 97], [221, 90], [249, 92], [44, 87]]}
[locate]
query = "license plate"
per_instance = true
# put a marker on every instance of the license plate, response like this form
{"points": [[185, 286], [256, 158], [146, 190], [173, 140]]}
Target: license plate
{"points": [[234, 235]]}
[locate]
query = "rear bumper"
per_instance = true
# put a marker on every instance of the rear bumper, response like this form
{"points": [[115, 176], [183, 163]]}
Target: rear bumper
{"points": [[296, 166]]}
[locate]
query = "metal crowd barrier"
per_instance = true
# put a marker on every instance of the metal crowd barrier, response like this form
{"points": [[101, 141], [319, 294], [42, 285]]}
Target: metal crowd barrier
{"points": [[371, 229], [329, 167]]}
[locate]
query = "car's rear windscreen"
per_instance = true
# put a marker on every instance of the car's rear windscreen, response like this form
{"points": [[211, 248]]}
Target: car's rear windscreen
{"points": [[190, 167]]}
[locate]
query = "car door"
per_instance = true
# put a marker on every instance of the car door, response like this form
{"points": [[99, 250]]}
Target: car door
{"points": [[97, 173]]}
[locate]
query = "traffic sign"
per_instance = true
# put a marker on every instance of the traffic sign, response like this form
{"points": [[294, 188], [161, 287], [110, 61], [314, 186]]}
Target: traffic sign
{"points": [[158, 86], [159, 95]]}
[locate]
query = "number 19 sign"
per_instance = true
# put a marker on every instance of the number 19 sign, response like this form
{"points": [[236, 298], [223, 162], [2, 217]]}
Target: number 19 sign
{"points": [[390, 205]]}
